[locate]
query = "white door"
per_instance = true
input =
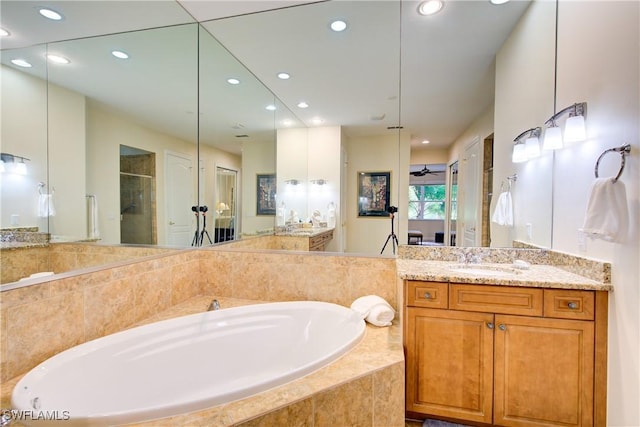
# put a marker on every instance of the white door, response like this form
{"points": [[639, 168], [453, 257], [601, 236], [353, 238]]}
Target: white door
{"points": [[179, 192], [470, 186]]}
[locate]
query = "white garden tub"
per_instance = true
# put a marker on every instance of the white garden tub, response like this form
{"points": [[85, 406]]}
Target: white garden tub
{"points": [[185, 364]]}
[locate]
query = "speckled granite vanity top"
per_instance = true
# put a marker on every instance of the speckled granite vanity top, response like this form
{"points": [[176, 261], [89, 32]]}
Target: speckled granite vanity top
{"points": [[302, 232], [542, 268]]}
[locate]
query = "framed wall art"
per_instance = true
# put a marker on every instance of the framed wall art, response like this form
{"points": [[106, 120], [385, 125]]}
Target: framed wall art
{"points": [[374, 190], [266, 194]]}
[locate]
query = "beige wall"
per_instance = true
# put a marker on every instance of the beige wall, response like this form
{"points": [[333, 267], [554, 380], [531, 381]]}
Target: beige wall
{"points": [[598, 62], [106, 131], [24, 133], [525, 99], [257, 158], [377, 154]]}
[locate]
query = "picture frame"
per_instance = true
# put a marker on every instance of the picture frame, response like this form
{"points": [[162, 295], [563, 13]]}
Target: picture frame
{"points": [[374, 194], [266, 194]]}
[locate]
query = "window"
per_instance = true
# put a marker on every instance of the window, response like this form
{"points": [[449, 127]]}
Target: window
{"points": [[427, 201]]}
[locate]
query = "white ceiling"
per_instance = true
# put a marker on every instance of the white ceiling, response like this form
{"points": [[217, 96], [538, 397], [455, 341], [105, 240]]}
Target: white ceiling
{"points": [[446, 62]]}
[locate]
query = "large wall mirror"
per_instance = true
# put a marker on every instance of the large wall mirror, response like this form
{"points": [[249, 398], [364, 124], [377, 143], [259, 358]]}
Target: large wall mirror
{"points": [[197, 99]]}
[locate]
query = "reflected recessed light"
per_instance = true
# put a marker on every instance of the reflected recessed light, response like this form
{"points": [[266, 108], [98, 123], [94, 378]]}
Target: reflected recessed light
{"points": [[4, 33], [498, 1], [21, 63], [58, 59], [120, 54], [430, 7], [50, 14], [287, 122], [317, 121], [303, 104], [270, 107], [426, 141], [233, 81], [338, 25], [283, 76]]}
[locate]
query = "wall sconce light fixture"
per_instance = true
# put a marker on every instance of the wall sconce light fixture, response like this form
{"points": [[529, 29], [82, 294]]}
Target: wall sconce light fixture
{"points": [[320, 181], [292, 181], [574, 127], [13, 163], [527, 149]]}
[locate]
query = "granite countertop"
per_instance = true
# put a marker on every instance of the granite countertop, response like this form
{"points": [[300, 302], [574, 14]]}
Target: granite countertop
{"points": [[21, 245], [541, 276], [303, 232]]}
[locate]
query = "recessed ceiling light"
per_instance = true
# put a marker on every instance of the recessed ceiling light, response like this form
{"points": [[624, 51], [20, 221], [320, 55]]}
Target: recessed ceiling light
{"points": [[499, 1], [287, 122], [338, 25], [303, 104], [317, 121], [425, 141], [430, 7], [21, 63], [4, 33], [283, 76], [58, 59], [120, 54], [271, 107], [50, 14], [233, 81]]}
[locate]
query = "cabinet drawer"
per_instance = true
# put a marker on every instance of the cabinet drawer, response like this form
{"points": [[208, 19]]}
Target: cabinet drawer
{"points": [[427, 294], [496, 299], [568, 304]]}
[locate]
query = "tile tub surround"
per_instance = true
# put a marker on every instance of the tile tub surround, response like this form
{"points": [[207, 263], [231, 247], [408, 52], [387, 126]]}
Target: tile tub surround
{"points": [[24, 259], [364, 387], [592, 269], [85, 306]]}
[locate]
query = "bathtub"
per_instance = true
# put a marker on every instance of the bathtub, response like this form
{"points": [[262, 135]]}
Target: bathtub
{"points": [[185, 364]]}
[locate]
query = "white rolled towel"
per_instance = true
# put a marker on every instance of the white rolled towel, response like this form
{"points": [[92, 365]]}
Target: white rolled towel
{"points": [[374, 310]]}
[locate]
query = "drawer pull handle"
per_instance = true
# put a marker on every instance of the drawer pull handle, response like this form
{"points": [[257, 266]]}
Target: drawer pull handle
{"points": [[502, 327], [489, 325], [572, 305], [427, 295]]}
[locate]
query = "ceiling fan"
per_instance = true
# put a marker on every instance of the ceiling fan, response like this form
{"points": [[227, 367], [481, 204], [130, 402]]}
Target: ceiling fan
{"points": [[425, 171]]}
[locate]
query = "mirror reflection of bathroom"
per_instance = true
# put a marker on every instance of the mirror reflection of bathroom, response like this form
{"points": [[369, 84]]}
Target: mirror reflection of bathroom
{"points": [[428, 198], [137, 201], [226, 205], [452, 200]]}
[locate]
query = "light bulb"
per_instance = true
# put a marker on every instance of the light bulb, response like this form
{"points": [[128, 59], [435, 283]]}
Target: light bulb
{"points": [[552, 138], [519, 153], [21, 168], [574, 129], [532, 147], [2, 169]]}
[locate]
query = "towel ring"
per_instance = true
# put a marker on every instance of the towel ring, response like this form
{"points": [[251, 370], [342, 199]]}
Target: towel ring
{"points": [[624, 150]]}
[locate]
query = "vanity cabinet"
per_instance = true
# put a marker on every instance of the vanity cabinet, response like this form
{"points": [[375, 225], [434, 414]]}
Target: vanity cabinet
{"points": [[320, 241], [508, 356]]}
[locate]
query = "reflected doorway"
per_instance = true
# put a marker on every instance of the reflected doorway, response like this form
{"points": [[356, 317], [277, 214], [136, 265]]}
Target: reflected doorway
{"points": [[225, 208], [452, 203], [137, 201]]}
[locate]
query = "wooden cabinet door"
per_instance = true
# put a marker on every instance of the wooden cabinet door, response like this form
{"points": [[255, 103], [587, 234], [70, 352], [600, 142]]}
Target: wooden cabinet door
{"points": [[449, 364], [543, 372]]}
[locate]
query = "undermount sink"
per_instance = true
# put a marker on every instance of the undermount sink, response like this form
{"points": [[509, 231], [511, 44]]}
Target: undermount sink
{"points": [[483, 270]]}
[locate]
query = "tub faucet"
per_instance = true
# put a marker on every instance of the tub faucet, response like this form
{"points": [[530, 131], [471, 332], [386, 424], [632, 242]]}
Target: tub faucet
{"points": [[215, 305]]}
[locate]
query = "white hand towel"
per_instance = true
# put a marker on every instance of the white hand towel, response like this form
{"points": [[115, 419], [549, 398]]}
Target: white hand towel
{"points": [[607, 215], [45, 206], [503, 213], [92, 223], [374, 310]]}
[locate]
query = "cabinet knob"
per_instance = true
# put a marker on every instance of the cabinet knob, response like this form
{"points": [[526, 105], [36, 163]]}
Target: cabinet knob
{"points": [[502, 327], [489, 325], [572, 305], [427, 295]]}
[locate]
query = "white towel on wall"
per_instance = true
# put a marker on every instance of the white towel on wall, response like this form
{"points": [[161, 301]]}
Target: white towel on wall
{"points": [[607, 215], [374, 309], [93, 231], [503, 213], [45, 206]]}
